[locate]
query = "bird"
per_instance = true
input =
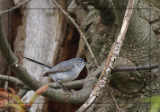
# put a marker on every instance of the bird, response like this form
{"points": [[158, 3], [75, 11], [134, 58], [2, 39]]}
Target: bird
{"points": [[64, 71]]}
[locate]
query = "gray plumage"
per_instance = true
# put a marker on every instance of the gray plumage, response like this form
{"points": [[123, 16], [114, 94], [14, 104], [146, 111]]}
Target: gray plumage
{"points": [[64, 71]]}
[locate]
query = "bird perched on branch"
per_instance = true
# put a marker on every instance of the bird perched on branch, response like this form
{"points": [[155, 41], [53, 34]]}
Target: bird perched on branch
{"points": [[64, 71]]}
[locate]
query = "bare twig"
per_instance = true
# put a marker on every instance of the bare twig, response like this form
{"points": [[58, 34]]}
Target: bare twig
{"points": [[11, 79], [113, 54], [22, 92], [97, 73], [112, 94], [24, 89], [15, 7], [136, 68], [79, 30]]}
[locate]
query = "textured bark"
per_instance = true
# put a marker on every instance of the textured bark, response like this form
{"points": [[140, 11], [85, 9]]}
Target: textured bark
{"points": [[139, 48], [3, 64], [8, 31]]}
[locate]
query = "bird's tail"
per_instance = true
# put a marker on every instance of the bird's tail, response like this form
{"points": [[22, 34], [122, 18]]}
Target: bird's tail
{"points": [[39, 63]]}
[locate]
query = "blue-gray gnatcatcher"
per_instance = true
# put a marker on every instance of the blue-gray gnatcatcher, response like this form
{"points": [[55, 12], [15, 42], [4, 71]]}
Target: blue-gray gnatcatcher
{"points": [[64, 71]]}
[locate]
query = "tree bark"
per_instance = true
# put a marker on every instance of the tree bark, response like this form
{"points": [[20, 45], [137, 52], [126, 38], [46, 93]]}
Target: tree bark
{"points": [[39, 37], [5, 4], [139, 49]]}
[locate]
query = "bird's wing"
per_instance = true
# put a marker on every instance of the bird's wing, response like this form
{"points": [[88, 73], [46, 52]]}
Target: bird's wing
{"points": [[61, 67]]}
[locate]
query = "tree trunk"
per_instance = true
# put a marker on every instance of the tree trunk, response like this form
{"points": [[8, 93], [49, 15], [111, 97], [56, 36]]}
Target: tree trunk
{"points": [[101, 27], [39, 37]]}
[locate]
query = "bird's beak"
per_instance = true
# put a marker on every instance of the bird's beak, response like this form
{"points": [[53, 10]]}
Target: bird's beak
{"points": [[87, 63]]}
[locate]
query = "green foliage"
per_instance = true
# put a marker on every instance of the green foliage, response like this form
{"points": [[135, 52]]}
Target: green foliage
{"points": [[155, 103]]}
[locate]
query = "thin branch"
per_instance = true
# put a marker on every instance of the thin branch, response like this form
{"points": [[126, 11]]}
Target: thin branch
{"points": [[97, 73], [15, 7], [79, 30], [22, 92], [16, 81], [136, 68], [114, 99], [113, 54], [11, 79]]}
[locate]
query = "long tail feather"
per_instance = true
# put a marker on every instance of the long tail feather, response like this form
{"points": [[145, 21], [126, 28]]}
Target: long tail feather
{"points": [[39, 63]]}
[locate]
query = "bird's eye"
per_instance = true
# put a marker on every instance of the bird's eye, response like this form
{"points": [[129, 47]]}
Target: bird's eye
{"points": [[81, 62]]}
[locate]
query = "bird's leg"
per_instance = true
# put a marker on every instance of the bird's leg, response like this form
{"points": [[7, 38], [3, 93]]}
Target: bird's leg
{"points": [[62, 86]]}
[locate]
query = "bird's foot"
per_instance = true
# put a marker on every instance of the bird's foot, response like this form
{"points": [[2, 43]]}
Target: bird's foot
{"points": [[73, 91]]}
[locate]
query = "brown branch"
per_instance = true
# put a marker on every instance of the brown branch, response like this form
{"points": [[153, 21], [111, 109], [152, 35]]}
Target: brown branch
{"points": [[24, 89], [15, 7], [71, 85], [11, 79], [113, 54], [79, 30]]}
